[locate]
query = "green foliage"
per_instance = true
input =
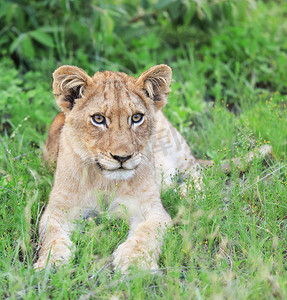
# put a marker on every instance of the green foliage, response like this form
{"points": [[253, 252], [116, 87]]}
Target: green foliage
{"points": [[228, 96], [26, 103], [269, 116]]}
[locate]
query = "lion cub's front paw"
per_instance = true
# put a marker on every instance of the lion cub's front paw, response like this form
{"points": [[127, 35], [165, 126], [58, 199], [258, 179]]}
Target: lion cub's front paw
{"points": [[56, 258], [40, 264], [129, 253]]}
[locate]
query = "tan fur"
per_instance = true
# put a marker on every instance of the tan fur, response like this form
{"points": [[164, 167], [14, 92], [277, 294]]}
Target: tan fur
{"points": [[87, 178]]}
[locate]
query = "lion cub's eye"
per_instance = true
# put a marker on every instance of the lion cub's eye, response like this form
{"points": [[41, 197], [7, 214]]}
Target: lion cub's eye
{"points": [[137, 118], [98, 120]]}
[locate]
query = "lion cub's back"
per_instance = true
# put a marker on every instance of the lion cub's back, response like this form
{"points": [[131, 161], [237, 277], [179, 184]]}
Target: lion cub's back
{"points": [[51, 149]]}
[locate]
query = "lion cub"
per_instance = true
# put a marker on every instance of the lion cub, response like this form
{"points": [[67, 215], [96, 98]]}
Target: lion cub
{"points": [[111, 139]]}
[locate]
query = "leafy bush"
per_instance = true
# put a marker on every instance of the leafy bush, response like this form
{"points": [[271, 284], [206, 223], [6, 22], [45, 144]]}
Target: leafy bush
{"points": [[26, 103], [232, 44]]}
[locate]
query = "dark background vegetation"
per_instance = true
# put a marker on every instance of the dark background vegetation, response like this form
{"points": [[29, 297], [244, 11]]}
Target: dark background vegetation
{"points": [[229, 61], [130, 36]]}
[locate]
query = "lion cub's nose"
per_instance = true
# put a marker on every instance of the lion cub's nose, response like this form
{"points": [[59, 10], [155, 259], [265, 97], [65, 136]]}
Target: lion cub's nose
{"points": [[121, 159]]}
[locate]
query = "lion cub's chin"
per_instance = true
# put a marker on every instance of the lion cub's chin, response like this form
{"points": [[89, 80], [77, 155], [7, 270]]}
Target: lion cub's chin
{"points": [[120, 174]]}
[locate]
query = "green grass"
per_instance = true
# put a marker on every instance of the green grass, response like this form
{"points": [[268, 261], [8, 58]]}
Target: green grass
{"points": [[228, 97]]}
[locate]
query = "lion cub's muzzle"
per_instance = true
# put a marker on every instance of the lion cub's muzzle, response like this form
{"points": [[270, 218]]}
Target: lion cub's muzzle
{"points": [[118, 167]]}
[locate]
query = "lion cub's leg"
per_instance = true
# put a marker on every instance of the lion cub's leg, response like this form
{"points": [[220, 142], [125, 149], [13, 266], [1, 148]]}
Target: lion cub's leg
{"points": [[54, 230], [143, 246]]}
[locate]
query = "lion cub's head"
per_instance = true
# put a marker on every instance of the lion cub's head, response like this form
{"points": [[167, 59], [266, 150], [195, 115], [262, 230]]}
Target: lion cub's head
{"points": [[110, 117]]}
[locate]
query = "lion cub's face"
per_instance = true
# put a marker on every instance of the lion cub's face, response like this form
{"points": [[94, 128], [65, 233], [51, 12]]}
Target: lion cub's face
{"points": [[111, 116]]}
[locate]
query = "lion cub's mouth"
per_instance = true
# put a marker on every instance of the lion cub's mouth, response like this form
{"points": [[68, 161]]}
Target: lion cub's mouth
{"points": [[114, 168], [120, 173]]}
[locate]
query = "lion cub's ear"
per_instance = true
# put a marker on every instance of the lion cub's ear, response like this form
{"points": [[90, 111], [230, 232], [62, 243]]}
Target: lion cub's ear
{"points": [[69, 84], [155, 82]]}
